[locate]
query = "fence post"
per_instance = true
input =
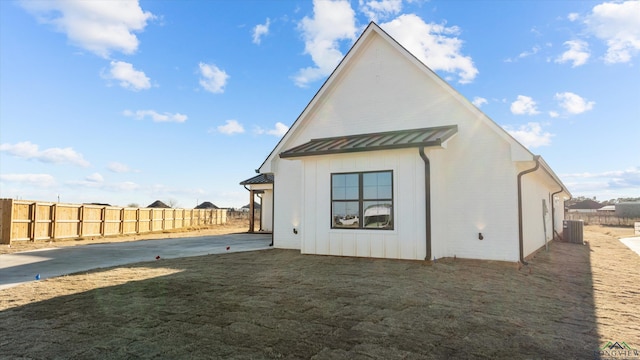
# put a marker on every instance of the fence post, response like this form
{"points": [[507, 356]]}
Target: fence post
{"points": [[138, 221], [6, 220], [121, 225], [54, 216], [103, 218], [33, 210], [81, 222]]}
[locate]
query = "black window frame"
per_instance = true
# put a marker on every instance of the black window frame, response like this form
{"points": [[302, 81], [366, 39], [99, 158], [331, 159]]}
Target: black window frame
{"points": [[361, 201]]}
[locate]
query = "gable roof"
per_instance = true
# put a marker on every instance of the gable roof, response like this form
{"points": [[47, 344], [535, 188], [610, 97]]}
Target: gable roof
{"points": [[433, 136], [518, 151]]}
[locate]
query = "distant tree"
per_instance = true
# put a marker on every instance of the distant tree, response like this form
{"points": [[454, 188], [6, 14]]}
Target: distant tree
{"points": [[133, 205], [173, 203]]}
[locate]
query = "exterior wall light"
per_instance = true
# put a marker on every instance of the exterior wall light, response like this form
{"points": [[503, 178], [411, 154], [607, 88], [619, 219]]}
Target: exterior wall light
{"points": [[295, 231], [480, 237]]}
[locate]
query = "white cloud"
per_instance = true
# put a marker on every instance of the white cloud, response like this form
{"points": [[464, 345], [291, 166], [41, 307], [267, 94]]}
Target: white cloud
{"points": [[573, 104], [578, 53], [524, 105], [40, 180], [479, 101], [534, 50], [618, 24], [333, 21], [213, 79], [380, 9], [123, 186], [279, 130], [530, 135], [436, 45], [118, 167], [95, 178], [618, 179], [27, 150], [156, 116], [573, 17], [553, 114], [261, 30], [128, 77], [231, 127], [97, 26]]}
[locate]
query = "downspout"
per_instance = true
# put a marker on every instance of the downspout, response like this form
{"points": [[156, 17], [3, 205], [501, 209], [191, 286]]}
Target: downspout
{"points": [[251, 214], [273, 209], [427, 200], [520, 221], [553, 211]]}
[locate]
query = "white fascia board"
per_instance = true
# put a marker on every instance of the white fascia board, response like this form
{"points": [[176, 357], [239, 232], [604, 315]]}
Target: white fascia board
{"points": [[260, 186]]}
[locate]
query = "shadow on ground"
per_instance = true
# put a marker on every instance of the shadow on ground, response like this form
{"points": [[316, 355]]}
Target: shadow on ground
{"points": [[280, 304]]}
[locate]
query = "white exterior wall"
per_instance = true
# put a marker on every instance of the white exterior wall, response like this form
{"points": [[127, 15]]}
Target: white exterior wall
{"points": [[266, 219], [287, 204], [473, 179], [474, 191], [405, 241], [535, 188]]}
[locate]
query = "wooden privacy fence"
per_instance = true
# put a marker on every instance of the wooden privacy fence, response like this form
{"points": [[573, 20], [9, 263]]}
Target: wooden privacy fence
{"points": [[601, 219], [31, 221]]}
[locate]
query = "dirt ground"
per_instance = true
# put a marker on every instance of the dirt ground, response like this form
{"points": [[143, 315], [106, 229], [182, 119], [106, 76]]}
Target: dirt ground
{"points": [[278, 304]]}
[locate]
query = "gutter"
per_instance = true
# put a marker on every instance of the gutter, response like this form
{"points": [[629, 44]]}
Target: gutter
{"points": [[427, 200], [520, 221]]}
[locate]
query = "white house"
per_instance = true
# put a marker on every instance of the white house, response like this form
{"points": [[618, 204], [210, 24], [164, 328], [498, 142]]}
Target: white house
{"points": [[389, 161]]}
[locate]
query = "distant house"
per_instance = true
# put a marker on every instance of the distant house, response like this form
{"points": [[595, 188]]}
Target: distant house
{"points": [[206, 205], [389, 161], [159, 204], [585, 206], [608, 209]]}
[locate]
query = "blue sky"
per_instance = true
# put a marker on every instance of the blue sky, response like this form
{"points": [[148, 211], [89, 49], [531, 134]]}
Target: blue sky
{"points": [[134, 101]]}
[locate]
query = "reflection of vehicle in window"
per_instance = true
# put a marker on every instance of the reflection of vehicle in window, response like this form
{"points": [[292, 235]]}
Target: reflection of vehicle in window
{"points": [[377, 216], [347, 220]]}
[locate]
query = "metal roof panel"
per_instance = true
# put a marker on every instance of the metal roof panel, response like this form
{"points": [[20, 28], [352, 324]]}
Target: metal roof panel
{"points": [[433, 136]]}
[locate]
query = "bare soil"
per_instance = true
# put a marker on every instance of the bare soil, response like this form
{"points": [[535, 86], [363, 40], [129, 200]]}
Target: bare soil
{"points": [[278, 304]]}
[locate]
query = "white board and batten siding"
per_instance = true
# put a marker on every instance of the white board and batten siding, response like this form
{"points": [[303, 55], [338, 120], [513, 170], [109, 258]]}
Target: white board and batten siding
{"points": [[319, 238], [473, 175]]}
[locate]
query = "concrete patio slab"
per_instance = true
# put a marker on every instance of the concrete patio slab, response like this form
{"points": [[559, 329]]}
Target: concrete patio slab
{"points": [[23, 267]]}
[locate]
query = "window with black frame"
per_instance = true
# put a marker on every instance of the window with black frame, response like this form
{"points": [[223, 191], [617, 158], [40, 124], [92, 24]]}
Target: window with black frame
{"points": [[362, 200]]}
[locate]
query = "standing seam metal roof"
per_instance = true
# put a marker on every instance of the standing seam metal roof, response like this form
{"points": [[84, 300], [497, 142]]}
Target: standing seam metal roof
{"points": [[259, 179], [433, 136]]}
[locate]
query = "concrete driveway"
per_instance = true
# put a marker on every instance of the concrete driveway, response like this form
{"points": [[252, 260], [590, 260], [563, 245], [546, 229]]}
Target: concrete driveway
{"points": [[23, 267], [632, 243]]}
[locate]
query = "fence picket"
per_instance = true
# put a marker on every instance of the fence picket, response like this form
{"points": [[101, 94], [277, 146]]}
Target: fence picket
{"points": [[22, 220]]}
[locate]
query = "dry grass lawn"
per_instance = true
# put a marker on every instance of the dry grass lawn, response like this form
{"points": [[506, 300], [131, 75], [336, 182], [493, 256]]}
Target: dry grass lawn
{"points": [[566, 304]]}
